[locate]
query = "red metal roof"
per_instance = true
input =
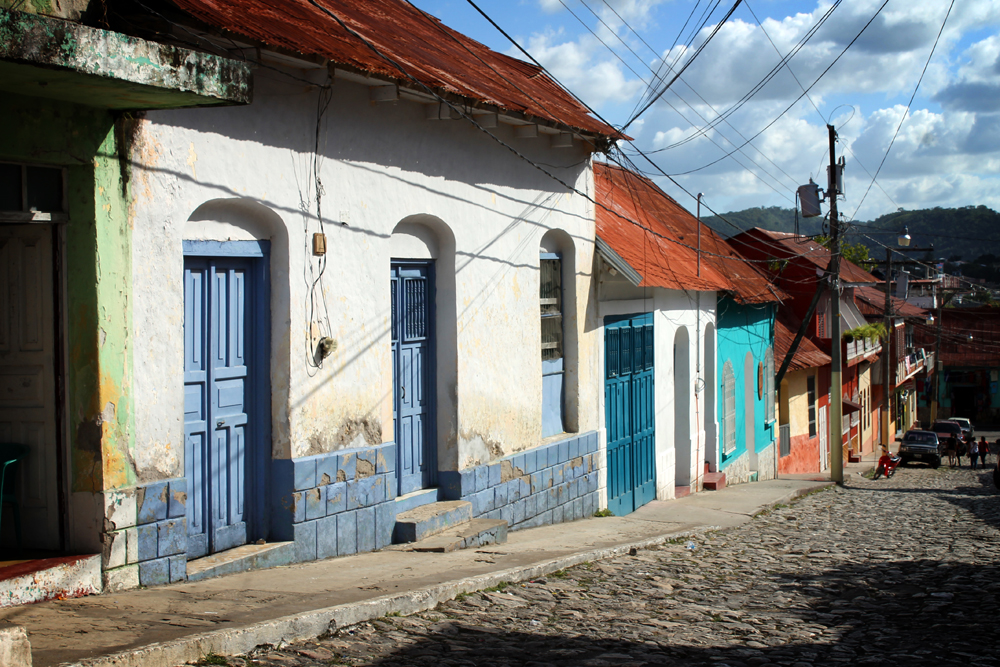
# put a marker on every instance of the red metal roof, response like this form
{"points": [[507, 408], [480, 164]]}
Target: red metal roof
{"points": [[659, 239], [807, 355], [785, 245], [432, 53], [871, 303]]}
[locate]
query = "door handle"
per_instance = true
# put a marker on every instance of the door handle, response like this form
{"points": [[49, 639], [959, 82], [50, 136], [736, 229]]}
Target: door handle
{"points": [[402, 389], [220, 423]]}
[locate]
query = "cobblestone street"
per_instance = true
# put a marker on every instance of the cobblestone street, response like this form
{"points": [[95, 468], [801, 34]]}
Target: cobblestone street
{"points": [[897, 571]]}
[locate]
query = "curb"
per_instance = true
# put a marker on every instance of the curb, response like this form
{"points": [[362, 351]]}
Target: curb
{"points": [[312, 624]]}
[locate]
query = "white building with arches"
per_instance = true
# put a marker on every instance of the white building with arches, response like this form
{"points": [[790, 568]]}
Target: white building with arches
{"points": [[660, 278], [367, 290]]}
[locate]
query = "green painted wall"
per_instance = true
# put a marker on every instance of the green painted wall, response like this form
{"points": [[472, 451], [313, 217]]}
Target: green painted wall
{"points": [[98, 243]]}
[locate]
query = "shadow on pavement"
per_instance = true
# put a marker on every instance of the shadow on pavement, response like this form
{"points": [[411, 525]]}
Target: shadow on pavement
{"points": [[893, 613]]}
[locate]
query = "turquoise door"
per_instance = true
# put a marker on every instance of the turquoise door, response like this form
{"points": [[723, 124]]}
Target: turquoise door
{"points": [[629, 412], [224, 371], [412, 373]]}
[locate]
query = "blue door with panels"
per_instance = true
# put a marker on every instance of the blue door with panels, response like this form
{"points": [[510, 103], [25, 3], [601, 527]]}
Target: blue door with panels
{"points": [[629, 412], [225, 423], [412, 374]]}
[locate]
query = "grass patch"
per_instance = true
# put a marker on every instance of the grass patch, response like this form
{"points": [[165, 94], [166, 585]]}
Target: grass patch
{"points": [[559, 574], [212, 658], [498, 588], [461, 597], [603, 512], [393, 614]]}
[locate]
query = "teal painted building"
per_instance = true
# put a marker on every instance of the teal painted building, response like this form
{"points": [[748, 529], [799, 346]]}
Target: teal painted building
{"points": [[746, 412]]}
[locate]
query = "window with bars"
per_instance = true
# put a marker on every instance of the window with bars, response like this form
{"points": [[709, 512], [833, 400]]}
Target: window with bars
{"points": [[811, 396], [728, 409], [550, 298]]}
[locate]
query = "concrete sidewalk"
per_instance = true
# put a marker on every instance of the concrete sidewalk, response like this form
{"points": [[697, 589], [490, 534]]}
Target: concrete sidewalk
{"points": [[170, 625]]}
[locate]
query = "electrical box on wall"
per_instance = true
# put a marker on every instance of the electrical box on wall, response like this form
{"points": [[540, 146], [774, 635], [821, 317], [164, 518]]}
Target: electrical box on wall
{"points": [[319, 244]]}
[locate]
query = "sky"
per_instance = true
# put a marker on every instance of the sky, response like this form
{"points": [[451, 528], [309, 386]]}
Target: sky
{"points": [[609, 52]]}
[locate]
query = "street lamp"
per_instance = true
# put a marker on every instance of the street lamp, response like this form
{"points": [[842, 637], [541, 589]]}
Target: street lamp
{"points": [[903, 240]]}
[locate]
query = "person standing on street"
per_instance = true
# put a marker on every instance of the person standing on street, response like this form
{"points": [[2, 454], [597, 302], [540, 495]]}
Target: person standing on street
{"points": [[984, 450], [973, 453], [951, 451]]}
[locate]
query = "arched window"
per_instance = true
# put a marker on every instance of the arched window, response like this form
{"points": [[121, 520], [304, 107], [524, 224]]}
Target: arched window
{"points": [[769, 385], [551, 301], [728, 409]]}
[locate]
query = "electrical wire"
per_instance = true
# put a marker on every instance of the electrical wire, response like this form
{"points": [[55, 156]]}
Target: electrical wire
{"points": [[796, 101], [908, 104], [764, 81], [687, 64]]}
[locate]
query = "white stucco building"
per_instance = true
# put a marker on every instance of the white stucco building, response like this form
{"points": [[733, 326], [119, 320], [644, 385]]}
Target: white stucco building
{"points": [[360, 293]]}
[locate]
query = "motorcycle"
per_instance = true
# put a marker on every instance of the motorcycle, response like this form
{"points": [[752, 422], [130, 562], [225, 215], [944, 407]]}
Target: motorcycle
{"points": [[887, 465]]}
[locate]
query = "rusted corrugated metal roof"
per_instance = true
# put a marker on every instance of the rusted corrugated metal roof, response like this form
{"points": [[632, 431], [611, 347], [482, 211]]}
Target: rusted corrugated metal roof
{"points": [[871, 302], [432, 53], [807, 355], [785, 245], [662, 246]]}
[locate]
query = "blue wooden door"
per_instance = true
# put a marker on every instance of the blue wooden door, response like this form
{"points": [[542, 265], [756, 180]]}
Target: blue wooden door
{"points": [[217, 356], [412, 374], [629, 412]]}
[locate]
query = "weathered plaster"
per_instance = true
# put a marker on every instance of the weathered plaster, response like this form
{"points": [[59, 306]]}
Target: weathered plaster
{"points": [[482, 210], [98, 280], [77, 63]]}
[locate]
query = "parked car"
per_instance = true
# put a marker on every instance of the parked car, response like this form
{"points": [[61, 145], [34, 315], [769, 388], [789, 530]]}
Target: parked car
{"points": [[945, 428], [921, 446], [968, 430]]}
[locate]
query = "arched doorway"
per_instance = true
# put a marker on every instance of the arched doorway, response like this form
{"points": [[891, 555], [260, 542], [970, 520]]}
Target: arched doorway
{"points": [[709, 409], [423, 343], [682, 409]]}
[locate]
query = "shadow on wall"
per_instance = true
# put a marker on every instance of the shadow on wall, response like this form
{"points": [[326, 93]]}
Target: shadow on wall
{"points": [[391, 135], [243, 219]]}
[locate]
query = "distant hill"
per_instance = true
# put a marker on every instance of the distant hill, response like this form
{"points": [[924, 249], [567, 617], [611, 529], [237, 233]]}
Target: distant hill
{"points": [[965, 233], [774, 218]]}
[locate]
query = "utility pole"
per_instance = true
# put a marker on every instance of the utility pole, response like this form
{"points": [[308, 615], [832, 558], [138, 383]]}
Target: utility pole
{"points": [[938, 366], [887, 358], [836, 379]]}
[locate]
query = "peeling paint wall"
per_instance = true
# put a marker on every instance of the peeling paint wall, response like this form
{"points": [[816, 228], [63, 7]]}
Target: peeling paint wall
{"points": [[247, 173], [98, 429]]}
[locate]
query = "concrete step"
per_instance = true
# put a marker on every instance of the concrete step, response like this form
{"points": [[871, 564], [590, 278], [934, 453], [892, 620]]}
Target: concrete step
{"points": [[23, 582], [415, 499], [682, 491], [476, 533], [714, 481], [241, 559], [426, 520]]}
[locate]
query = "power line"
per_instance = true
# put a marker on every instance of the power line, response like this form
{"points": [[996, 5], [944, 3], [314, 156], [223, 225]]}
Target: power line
{"points": [[687, 64], [763, 82], [908, 104], [822, 74]]}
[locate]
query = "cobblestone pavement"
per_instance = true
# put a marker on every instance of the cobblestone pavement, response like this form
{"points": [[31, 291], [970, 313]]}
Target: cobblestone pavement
{"points": [[895, 571]]}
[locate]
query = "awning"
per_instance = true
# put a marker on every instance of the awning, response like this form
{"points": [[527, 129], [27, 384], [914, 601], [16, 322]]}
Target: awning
{"points": [[71, 62], [850, 406], [616, 261]]}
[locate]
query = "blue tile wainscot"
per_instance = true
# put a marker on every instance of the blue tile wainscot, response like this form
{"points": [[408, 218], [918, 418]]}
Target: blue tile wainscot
{"points": [[549, 484], [145, 537], [336, 504]]}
